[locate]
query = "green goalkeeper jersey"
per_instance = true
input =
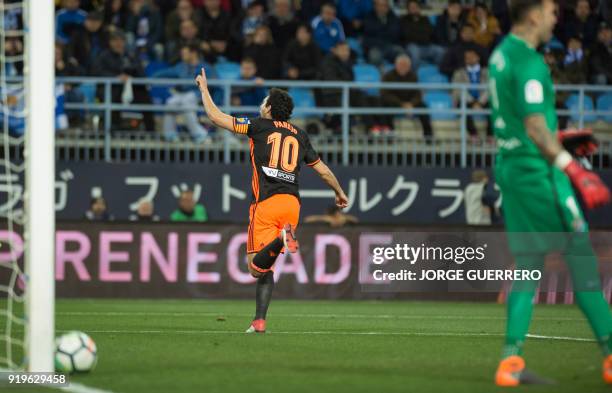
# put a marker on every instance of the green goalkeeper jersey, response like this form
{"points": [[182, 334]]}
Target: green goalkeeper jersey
{"points": [[520, 85]]}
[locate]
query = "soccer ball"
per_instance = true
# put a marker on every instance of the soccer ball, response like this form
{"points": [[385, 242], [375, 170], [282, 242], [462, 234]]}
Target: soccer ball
{"points": [[75, 352]]}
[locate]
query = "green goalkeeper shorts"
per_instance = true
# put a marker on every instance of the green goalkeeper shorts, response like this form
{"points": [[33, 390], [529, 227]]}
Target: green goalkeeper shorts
{"points": [[538, 200]]}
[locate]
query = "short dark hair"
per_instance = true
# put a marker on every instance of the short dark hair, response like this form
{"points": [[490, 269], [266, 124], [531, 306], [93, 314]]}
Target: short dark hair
{"points": [[280, 103], [520, 8]]}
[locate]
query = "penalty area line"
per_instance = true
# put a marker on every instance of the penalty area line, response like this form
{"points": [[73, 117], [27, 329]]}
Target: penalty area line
{"points": [[338, 333]]}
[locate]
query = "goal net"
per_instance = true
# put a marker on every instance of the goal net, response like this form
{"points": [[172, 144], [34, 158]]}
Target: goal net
{"points": [[27, 184]]}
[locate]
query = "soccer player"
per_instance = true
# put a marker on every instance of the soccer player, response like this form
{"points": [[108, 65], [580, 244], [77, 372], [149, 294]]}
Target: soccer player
{"points": [[278, 149], [536, 173]]}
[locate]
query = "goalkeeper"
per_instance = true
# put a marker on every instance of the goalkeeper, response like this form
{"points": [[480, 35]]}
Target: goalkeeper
{"points": [[536, 172]]}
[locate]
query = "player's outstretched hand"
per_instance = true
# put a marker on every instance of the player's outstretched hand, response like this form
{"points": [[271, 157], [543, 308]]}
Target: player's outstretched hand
{"points": [[579, 142], [201, 80], [341, 200], [593, 191]]}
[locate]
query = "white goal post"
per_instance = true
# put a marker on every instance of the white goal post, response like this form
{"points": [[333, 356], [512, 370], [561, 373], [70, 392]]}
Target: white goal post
{"points": [[39, 23]]}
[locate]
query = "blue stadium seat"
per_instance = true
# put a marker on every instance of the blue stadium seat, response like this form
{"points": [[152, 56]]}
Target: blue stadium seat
{"points": [[367, 73], [604, 103], [439, 100], [89, 92], [555, 44], [387, 67], [159, 94], [302, 98], [432, 19], [228, 70], [427, 70], [572, 104], [434, 78], [356, 47]]}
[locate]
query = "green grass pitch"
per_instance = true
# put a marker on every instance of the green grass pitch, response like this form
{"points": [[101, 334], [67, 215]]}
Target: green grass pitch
{"points": [[175, 346]]}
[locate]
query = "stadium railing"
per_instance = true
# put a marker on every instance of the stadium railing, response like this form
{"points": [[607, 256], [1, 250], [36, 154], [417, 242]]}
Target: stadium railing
{"points": [[349, 148]]}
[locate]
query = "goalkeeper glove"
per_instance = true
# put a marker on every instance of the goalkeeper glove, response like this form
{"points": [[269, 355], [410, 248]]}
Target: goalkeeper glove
{"points": [[593, 191], [579, 142]]}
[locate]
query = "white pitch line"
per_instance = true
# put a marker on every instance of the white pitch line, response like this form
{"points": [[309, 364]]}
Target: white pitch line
{"points": [[339, 333], [80, 388], [339, 316]]}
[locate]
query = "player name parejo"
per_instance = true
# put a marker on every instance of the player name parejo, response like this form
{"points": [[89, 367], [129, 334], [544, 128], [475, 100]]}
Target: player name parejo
{"points": [[284, 176]]}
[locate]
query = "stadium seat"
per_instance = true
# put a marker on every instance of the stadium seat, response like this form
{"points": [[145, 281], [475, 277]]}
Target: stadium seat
{"points": [[555, 44], [367, 73], [439, 100], [572, 104], [302, 98], [228, 70], [427, 70], [159, 94], [356, 47], [604, 103], [432, 19], [89, 92], [434, 78]]}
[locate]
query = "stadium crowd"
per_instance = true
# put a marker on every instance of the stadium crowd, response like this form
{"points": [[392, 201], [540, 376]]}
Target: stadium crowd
{"points": [[310, 40]]}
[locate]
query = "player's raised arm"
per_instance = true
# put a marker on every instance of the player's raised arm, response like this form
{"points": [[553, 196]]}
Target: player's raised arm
{"points": [[593, 191], [219, 118], [328, 177]]}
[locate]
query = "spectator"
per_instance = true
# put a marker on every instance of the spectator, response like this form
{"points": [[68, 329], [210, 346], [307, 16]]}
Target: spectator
{"points": [[116, 62], [486, 27], [448, 24], [145, 212], [189, 209], [309, 9], [405, 98], [381, 34], [88, 42], [472, 73], [418, 36], [334, 217], [282, 23], [500, 10], [265, 54], [327, 29], [215, 32], [559, 77], [185, 96], [455, 55], [303, 57], [184, 11], [582, 24], [98, 210], [68, 19], [352, 13], [144, 26], [252, 20], [66, 65], [476, 211], [337, 66], [13, 48], [249, 95], [188, 36], [575, 61], [116, 14], [601, 56]]}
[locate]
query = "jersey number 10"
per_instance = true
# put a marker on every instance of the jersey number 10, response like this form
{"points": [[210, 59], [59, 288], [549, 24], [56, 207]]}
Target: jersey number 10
{"points": [[288, 152]]}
